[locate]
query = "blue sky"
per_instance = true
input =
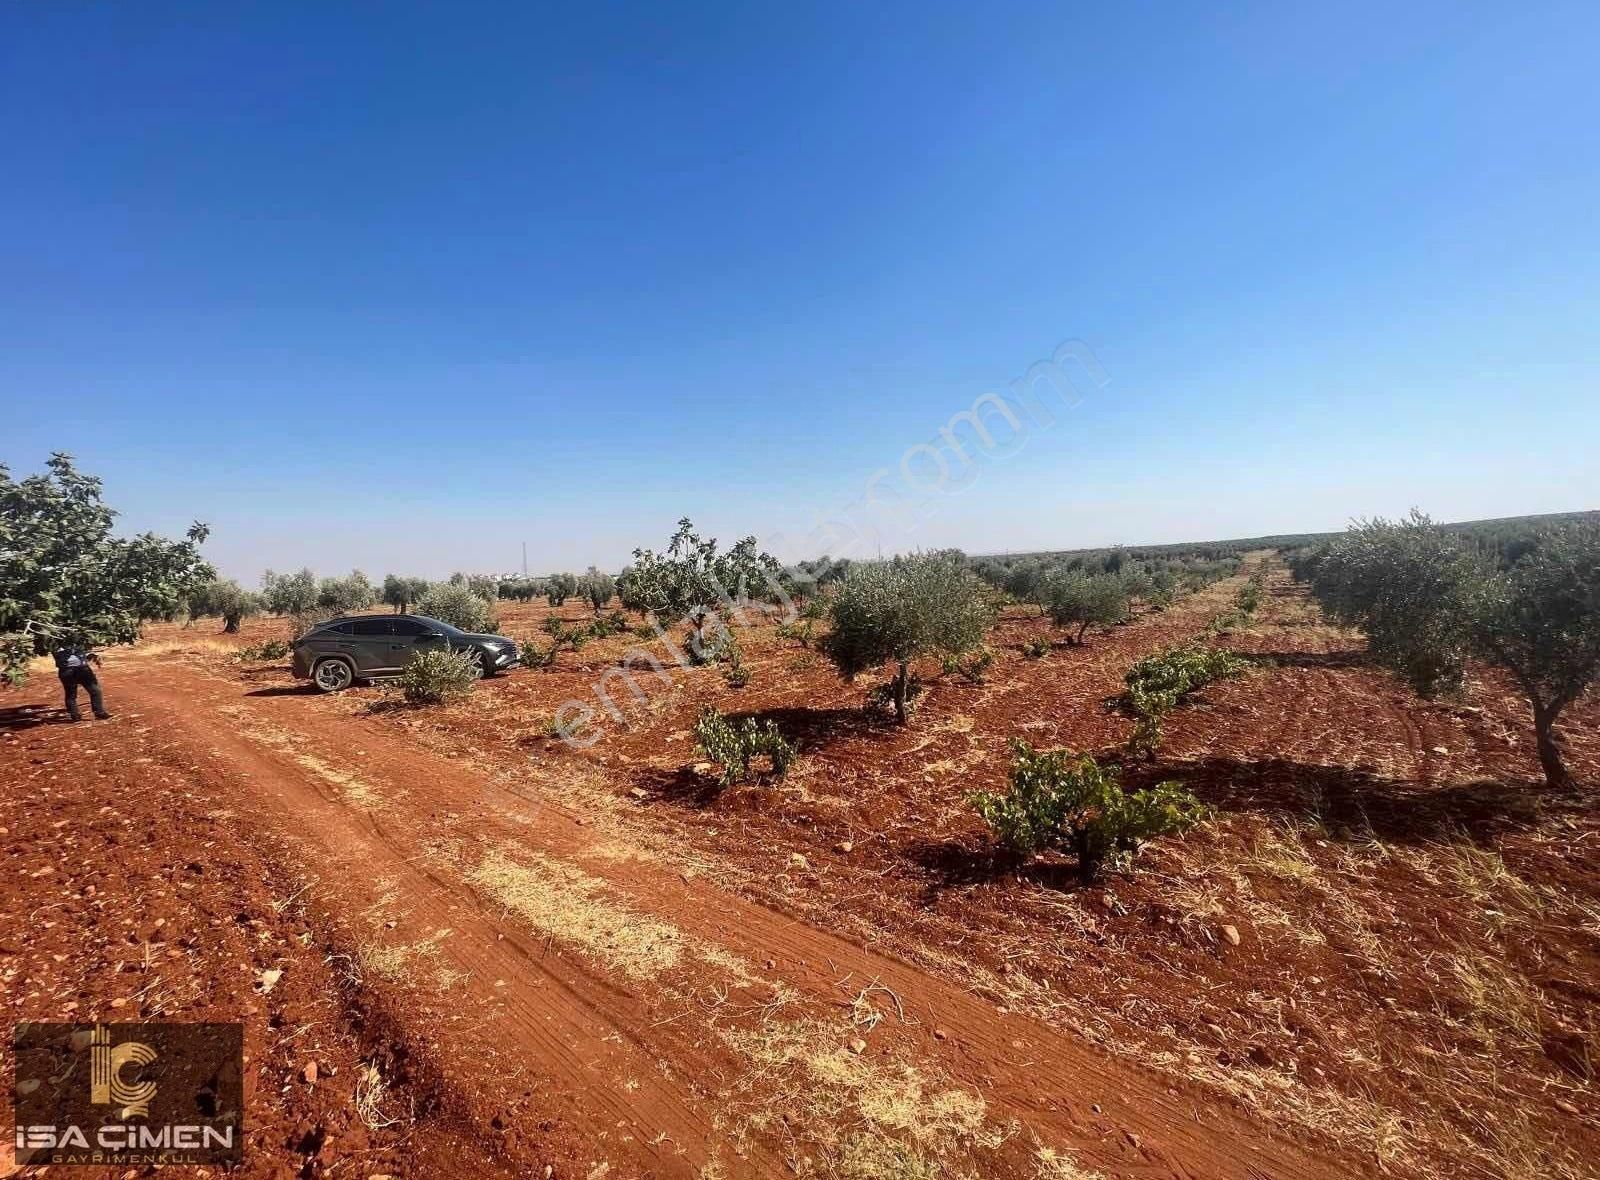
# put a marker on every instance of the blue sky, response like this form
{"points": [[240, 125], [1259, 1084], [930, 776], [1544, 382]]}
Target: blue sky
{"points": [[403, 286]]}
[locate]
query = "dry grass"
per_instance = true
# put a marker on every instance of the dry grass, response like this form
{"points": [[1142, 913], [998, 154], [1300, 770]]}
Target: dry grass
{"points": [[568, 905], [805, 1073], [877, 1157], [408, 964], [1057, 1165]]}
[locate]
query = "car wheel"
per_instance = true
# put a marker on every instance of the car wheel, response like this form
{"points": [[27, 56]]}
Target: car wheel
{"points": [[479, 662], [333, 674]]}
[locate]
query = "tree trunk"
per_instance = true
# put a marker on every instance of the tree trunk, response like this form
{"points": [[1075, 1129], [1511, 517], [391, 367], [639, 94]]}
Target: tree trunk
{"points": [[1550, 747], [900, 685], [1081, 631], [230, 624], [1088, 863]]}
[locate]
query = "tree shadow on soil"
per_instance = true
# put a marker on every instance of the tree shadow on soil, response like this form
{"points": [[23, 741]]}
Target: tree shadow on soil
{"points": [[20, 717], [682, 786], [815, 729], [956, 864], [1348, 805], [284, 690], [1346, 658], [1359, 805]]}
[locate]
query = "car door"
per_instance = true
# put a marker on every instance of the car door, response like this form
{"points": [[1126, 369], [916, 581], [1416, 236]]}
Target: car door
{"points": [[336, 639], [372, 640], [409, 638]]}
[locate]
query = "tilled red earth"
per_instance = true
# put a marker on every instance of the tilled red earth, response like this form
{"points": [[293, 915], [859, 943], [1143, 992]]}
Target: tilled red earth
{"points": [[131, 896], [1418, 917], [1380, 956]]}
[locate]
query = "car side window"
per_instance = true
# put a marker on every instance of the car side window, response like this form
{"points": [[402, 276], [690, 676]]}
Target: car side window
{"points": [[344, 629], [408, 627], [372, 627]]}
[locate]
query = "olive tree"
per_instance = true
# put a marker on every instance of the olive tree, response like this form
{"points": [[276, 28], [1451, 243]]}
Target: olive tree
{"points": [[289, 594], [346, 594], [691, 580], [560, 587], [1029, 582], [598, 588], [1077, 599], [1540, 620], [1413, 589], [896, 611], [225, 599], [1428, 602], [63, 576], [400, 592], [452, 603]]}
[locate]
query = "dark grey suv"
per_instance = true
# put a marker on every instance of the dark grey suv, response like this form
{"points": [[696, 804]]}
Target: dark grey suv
{"points": [[335, 654]]}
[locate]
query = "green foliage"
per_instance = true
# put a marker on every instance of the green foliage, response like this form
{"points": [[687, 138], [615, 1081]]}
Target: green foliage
{"points": [[453, 603], [521, 589], [692, 581], [605, 626], [801, 630], [1158, 683], [438, 675], [896, 611], [892, 697], [262, 653], [1429, 596], [485, 586], [1227, 623], [560, 587], [224, 599], [1249, 597], [63, 576], [737, 747], [733, 668], [346, 595], [562, 638], [1081, 600], [1541, 621], [1059, 800], [973, 669], [1413, 589], [15, 652], [401, 592], [598, 588], [1028, 582], [289, 594]]}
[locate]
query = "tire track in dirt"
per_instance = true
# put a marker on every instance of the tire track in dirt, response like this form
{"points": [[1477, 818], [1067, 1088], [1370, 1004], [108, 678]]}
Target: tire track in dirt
{"points": [[653, 1069]]}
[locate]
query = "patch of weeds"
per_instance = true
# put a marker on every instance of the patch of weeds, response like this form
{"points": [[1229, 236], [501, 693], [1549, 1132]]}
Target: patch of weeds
{"points": [[262, 653], [973, 669]]}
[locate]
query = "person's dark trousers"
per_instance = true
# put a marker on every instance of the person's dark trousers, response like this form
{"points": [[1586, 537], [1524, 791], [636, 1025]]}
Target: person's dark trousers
{"points": [[71, 681]]}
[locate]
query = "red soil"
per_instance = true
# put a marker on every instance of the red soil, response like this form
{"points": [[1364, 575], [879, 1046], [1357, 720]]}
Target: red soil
{"points": [[695, 979]]}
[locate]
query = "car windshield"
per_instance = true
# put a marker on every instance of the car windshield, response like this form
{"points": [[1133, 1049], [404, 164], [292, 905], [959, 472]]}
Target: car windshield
{"points": [[445, 627]]}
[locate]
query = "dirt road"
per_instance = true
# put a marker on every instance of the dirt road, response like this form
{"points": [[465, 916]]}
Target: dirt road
{"points": [[579, 999]]}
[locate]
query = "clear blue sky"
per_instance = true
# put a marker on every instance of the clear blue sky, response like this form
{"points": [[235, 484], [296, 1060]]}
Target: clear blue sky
{"points": [[401, 286]]}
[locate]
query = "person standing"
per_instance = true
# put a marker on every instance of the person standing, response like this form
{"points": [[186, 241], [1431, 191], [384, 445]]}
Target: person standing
{"points": [[74, 666]]}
